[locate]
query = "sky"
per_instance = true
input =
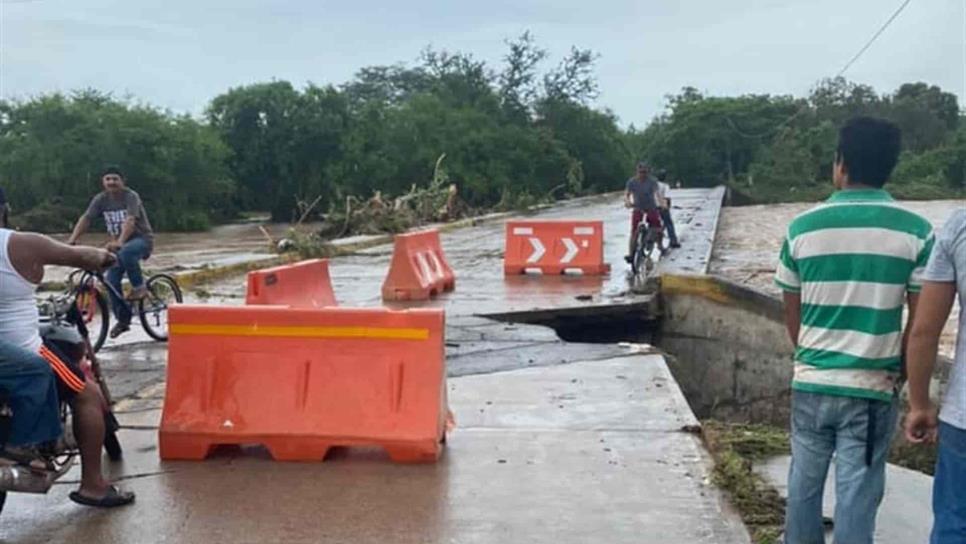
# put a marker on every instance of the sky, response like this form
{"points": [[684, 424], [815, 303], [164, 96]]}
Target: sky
{"points": [[178, 54]]}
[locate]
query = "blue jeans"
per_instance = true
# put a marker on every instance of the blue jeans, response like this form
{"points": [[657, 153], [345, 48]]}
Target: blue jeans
{"points": [[827, 424], [32, 390], [949, 487], [672, 236], [128, 261]]}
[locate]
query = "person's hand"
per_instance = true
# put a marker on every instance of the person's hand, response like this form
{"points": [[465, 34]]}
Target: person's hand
{"points": [[921, 425], [98, 260], [113, 246]]}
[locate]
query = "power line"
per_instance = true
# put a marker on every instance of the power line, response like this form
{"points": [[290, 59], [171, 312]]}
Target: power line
{"points": [[873, 39], [841, 72]]}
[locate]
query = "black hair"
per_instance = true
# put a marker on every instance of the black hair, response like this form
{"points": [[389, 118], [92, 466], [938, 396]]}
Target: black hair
{"points": [[112, 169], [661, 174], [869, 149]]}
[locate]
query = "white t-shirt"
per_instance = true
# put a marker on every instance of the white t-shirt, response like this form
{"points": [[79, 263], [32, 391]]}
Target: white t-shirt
{"points": [[662, 190]]}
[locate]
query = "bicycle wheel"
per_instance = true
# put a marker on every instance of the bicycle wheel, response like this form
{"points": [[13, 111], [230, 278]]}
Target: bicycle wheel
{"points": [[649, 244], [93, 309], [637, 261], [163, 291]]}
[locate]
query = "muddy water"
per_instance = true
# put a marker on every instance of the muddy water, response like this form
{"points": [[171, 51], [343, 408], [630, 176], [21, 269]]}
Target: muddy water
{"points": [[224, 245]]}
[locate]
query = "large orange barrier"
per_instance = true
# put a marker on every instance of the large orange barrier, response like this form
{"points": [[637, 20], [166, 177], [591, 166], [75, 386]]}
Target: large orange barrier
{"points": [[554, 247], [300, 381], [419, 269], [305, 284]]}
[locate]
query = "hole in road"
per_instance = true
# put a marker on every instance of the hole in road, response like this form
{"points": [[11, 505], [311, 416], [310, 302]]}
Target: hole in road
{"points": [[635, 322]]}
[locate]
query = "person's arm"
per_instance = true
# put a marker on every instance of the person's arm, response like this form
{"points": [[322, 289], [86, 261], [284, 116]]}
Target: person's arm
{"points": [[935, 303], [912, 300], [30, 252], [628, 196], [84, 222], [787, 279], [793, 315], [79, 228]]}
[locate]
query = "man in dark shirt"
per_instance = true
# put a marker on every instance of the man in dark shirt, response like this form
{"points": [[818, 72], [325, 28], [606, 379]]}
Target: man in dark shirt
{"points": [[641, 195], [131, 238]]}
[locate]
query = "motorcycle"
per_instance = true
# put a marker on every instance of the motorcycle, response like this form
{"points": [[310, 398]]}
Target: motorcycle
{"points": [[63, 326]]}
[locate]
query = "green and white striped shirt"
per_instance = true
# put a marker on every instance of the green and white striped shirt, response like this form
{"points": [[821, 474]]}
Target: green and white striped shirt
{"points": [[853, 259]]}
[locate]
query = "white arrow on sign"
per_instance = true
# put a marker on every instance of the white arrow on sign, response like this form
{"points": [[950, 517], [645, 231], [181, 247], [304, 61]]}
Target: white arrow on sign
{"points": [[571, 250], [538, 250]]}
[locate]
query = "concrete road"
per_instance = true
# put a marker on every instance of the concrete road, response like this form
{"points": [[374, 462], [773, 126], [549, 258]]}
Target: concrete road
{"points": [[556, 441], [590, 451], [476, 256]]}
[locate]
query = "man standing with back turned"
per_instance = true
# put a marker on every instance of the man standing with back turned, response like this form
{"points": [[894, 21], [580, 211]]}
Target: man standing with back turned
{"points": [[847, 268]]}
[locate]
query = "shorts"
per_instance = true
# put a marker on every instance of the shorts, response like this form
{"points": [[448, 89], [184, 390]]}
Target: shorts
{"points": [[31, 388], [653, 219], [70, 378]]}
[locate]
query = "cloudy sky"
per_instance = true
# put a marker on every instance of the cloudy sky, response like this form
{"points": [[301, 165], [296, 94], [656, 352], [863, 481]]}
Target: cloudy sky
{"points": [[179, 53]]}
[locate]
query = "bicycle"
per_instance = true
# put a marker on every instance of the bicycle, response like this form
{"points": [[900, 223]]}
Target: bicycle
{"points": [[86, 290], [645, 241]]}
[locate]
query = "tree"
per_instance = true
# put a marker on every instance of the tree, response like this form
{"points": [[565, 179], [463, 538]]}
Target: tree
{"points": [[518, 80], [53, 147], [926, 114], [573, 79], [285, 143]]}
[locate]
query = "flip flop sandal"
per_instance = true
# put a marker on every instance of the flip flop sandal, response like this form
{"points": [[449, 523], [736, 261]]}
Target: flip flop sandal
{"points": [[112, 499]]}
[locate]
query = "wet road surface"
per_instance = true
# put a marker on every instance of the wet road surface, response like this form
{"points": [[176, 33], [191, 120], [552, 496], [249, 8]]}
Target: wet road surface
{"points": [[556, 441]]}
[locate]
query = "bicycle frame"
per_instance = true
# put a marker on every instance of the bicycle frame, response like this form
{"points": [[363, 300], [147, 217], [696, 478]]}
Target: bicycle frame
{"points": [[87, 275]]}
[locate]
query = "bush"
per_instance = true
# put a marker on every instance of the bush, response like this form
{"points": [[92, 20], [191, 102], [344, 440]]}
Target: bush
{"points": [[47, 218]]}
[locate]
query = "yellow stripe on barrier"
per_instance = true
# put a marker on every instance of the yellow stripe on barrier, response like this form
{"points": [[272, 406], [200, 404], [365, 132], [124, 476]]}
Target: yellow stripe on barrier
{"points": [[382, 333]]}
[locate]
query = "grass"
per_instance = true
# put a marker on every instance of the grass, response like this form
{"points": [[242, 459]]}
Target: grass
{"points": [[921, 458], [735, 448]]}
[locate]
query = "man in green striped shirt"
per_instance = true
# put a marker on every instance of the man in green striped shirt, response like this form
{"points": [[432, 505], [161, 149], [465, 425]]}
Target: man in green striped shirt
{"points": [[847, 268]]}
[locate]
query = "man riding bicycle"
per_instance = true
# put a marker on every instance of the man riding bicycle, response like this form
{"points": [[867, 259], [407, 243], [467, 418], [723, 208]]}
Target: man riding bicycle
{"points": [[641, 194], [23, 257], [131, 238]]}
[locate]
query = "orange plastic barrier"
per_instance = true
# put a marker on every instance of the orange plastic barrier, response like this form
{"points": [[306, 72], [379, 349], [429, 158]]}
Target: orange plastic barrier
{"points": [[554, 247], [419, 269], [300, 381], [305, 284]]}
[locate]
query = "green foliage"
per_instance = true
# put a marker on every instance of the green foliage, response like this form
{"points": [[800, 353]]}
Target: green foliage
{"points": [[513, 135], [508, 136], [776, 148], [53, 147]]}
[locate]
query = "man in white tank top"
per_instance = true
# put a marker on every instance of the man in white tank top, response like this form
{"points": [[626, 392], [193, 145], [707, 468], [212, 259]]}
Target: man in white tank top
{"points": [[22, 260]]}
